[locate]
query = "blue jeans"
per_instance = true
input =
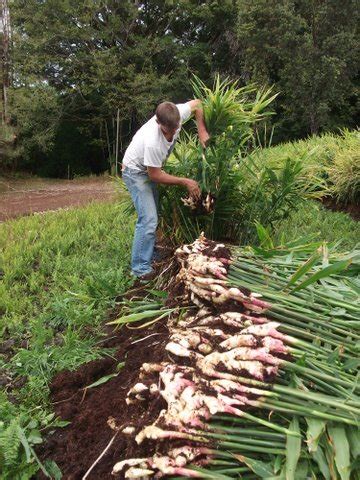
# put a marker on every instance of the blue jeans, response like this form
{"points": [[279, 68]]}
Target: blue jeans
{"points": [[144, 194]]}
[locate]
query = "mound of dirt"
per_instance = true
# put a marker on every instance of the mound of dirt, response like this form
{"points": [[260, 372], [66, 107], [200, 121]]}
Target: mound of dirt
{"points": [[77, 446]]}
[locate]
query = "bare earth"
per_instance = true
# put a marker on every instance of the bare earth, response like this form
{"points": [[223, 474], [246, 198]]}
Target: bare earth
{"points": [[22, 197]]}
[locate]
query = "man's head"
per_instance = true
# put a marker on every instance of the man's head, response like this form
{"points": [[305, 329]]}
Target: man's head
{"points": [[168, 117]]}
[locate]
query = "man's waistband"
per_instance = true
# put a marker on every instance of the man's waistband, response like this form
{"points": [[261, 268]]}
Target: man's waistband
{"points": [[126, 169]]}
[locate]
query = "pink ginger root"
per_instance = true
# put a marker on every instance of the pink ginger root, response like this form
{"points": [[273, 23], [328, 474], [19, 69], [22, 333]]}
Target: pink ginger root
{"points": [[274, 345], [172, 464], [268, 330], [239, 341], [209, 367], [229, 386], [186, 454], [211, 332], [181, 351], [261, 354], [155, 433]]}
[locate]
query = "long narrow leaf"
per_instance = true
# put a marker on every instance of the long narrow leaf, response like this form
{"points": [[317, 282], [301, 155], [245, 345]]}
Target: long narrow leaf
{"points": [[24, 442], [293, 448], [135, 317], [320, 459], [353, 435], [315, 429], [342, 450], [264, 470], [303, 269], [330, 270], [102, 380]]}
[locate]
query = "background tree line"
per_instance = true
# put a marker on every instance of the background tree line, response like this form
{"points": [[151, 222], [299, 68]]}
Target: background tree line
{"points": [[75, 65]]}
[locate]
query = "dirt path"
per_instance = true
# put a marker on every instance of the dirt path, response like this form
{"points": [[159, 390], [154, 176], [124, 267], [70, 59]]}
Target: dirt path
{"points": [[23, 197]]}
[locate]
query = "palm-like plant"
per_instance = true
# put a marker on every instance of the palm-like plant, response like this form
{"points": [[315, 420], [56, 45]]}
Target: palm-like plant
{"points": [[246, 190]]}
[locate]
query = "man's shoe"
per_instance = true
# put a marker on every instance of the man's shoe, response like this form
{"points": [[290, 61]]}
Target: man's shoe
{"points": [[148, 277]]}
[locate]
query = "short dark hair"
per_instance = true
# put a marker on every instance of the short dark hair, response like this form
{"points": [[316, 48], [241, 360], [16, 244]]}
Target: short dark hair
{"points": [[168, 114]]}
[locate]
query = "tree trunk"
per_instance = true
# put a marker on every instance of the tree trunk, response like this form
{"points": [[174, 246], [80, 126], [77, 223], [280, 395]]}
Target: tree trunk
{"points": [[5, 58]]}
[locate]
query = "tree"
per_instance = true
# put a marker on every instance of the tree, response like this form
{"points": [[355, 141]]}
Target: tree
{"points": [[310, 50], [103, 56]]}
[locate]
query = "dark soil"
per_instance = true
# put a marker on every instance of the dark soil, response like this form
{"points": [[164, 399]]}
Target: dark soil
{"points": [[77, 446], [352, 209]]}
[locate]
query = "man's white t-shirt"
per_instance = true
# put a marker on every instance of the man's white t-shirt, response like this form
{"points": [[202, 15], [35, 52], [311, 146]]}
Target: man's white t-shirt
{"points": [[149, 147]]}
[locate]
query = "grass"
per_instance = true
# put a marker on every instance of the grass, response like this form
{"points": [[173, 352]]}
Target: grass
{"points": [[314, 219], [61, 272], [55, 262]]}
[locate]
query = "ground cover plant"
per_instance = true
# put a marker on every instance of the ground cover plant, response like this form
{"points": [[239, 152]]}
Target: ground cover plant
{"points": [[60, 273]]}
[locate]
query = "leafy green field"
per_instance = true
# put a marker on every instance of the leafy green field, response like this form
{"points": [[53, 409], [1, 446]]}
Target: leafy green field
{"points": [[315, 220], [61, 273]]}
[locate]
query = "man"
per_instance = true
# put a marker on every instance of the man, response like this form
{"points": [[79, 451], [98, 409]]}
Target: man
{"points": [[142, 171]]}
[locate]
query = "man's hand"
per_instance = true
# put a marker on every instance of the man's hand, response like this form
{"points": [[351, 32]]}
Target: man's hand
{"points": [[159, 176], [204, 138], [193, 188], [196, 108]]}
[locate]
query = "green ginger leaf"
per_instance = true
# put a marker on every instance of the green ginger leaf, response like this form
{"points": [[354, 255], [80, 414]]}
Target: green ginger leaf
{"points": [[342, 450], [293, 448], [314, 431]]}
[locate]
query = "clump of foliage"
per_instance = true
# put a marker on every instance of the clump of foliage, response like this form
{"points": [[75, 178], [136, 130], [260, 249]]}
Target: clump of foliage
{"points": [[334, 158], [246, 189], [37, 110], [344, 171], [20, 433]]}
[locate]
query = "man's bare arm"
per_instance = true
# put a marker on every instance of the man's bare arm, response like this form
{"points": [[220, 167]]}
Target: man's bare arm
{"points": [[159, 176], [196, 108]]}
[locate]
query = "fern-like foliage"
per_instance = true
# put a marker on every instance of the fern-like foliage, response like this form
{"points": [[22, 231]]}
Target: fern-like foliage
{"points": [[9, 442]]}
